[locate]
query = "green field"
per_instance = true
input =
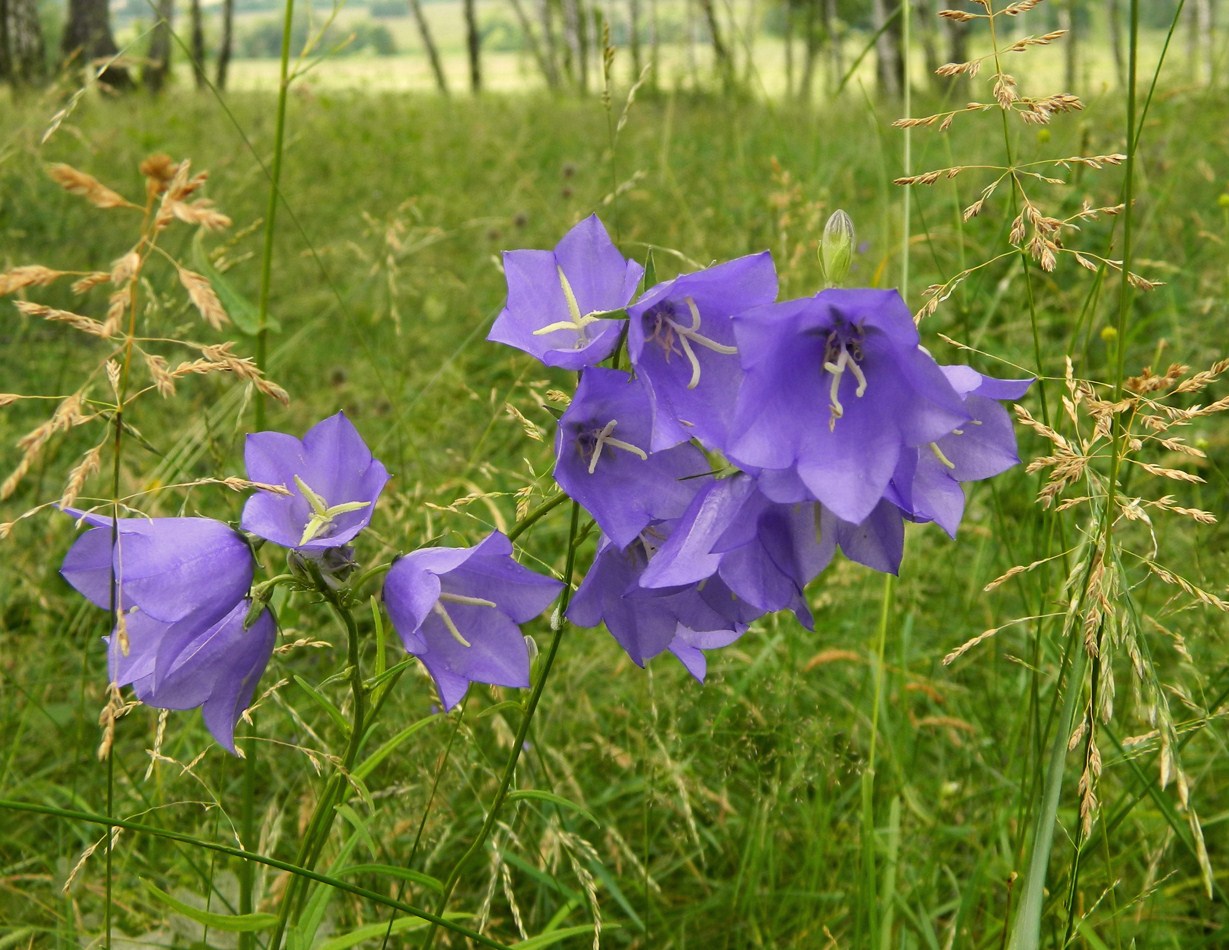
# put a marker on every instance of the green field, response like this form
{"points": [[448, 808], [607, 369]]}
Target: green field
{"points": [[836, 788]]}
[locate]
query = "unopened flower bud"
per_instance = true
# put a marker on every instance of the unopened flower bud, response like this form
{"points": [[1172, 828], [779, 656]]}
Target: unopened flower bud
{"points": [[836, 249]]}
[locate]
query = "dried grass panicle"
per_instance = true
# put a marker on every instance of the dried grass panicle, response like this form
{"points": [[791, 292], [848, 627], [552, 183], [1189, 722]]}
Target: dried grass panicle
{"points": [[28, 275], [75, 320], [87, 186], [203, 297], [80, 474]]}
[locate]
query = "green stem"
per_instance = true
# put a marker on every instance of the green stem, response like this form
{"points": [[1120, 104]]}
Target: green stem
{"points": [[870, 876], [321, 823], [383, 900], [522, 733], [275, 177]]}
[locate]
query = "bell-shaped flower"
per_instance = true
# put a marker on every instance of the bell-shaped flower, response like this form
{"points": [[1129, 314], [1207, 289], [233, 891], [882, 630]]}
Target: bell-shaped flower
{"points": [[332, 480], [603, 461], [560, 302], [171, 568], [647, 621], [836, 387], [765, 552], [211, 664], [459, 610], [927, 481], [680, 338]]}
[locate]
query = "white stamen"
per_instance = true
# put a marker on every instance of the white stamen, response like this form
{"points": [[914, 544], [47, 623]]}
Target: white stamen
{"points": [[688, 336], [576, 321], [438, 609], [843, 362], [948, 463], [322, 513], [605, 438]]}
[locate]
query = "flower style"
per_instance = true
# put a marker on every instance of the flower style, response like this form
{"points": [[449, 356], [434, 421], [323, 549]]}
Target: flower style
{"points": [[680, 338], [169, 568], [459, 609], [179, 589], [601, 457], [214, 665], [647, 621], [558, 301], [332, 479], [926, 484], [836, 387]]}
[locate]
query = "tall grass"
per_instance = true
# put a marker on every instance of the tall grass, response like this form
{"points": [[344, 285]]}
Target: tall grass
{"points": [[842, 788]]}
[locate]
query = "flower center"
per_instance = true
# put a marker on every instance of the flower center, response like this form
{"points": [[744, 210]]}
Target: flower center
{"points": [[575, 321], [322, 513], [441, 611], [841, 355], [592, 442], [667, 332]]}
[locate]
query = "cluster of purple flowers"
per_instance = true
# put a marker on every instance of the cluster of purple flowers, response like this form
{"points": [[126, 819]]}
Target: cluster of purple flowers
{"points": [[187, 633], [750, 439]]}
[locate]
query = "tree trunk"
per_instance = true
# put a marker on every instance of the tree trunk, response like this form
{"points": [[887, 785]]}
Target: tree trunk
{"points": [[1071, 60], [22, 50], [550, 40], [889, 57], [158, 68], [473, 45], [811, 35], [927, 23], [1120, 64], [1205, 53], [198, 44], [633, 36], [88, 39], [227, 44], [428, 42], [575, 26], [957, 52], [788, 39], [721, 52], [834, 37]]}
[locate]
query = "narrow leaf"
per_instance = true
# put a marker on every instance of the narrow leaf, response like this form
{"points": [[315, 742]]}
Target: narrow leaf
{"points": [[230, 923]]}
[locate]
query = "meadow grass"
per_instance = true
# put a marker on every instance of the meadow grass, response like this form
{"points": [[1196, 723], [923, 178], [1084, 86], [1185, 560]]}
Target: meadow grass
{"points": [[836, 788]]}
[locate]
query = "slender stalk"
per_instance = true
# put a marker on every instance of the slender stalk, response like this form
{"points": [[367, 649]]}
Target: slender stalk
{"points": [[275, 178], [522, 733], [321, 823]]}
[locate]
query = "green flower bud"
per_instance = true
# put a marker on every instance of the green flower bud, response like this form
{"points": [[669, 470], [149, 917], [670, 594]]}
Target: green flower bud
{"points": [[1109, 334], [836, 249], [1223, 200]]}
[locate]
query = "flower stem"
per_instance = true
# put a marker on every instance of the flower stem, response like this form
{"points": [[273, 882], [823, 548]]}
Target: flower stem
{"points": [[522, 733], [334, 791]]}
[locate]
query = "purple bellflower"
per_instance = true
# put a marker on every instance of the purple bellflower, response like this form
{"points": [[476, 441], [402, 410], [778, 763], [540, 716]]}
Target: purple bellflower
{"points": [[926, 485], [602, 459], [180, 589], [647, 621], [559, 301], [459, 610], [836, 387], [169, 568], [332, 479], [681, 342], [214, 665]]}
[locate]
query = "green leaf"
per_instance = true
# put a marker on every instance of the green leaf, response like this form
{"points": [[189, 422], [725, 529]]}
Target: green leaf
{"points": [[230, 923], [550, 939], [650, 270], [242, 312], [376, 931], [538, 795], [364, 768], [389, 870], [322, 701]]}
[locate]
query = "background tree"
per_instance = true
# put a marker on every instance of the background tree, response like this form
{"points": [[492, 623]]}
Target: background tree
{"points": [[473, 45], [88, 40], [22, 51], [158, 66], [428, 43], [226, 46], [889, 56]]}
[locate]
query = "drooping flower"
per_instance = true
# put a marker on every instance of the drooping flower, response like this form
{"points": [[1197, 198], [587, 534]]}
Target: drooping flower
{"points": [[179, 587], [459, 610], [559, 301], [836, 387], [214, 665], [680, 339], [927, 481], [332, 479], [170, 568], [602, 459], [647, 621]]}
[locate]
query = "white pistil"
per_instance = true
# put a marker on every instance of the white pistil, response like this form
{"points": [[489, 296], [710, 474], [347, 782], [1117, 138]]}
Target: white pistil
{"points": [[690, 335], [576, 321], [439, 610], [605, 438], [322, 514], [843, 362], [948, 463]]}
